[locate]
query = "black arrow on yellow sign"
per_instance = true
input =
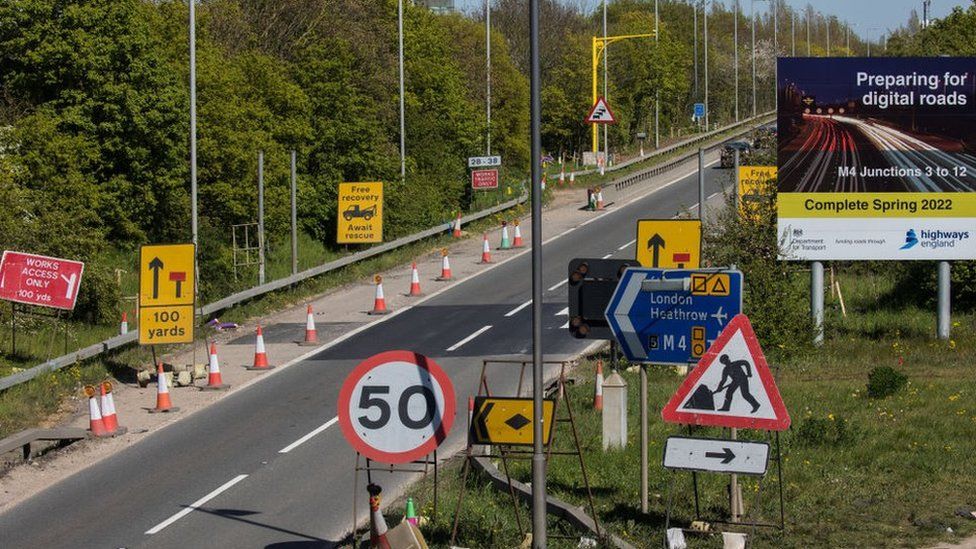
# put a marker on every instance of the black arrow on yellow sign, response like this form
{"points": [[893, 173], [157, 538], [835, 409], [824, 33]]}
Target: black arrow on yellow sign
{"points": [[505, 420]]}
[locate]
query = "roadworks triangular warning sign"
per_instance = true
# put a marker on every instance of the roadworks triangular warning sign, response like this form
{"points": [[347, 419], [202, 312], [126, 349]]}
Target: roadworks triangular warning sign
{"points": [[601, 113], [731, 386]]}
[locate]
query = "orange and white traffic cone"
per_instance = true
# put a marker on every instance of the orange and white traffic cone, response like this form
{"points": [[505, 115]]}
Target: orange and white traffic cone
{"points": [[572, 178], [214, 381], [485, 251], [109, 416], [96, 424], [599, 198], [260, 353], [163, 402], [562, 176], [414, 281], [598, 391], [506, 243], [517, 242], [311, 335], [445, 267], [379, 302], [124, 325], [457, 226], [377, 524]]}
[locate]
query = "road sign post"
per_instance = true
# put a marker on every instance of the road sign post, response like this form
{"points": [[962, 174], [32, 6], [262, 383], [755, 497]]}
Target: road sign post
{"points": [[167, 286]]}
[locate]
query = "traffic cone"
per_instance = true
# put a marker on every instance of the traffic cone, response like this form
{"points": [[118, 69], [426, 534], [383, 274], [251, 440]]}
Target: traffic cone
{"points": [[642, 150], [562, 176], [163, 402], [377, 524], [410, 515], [124, 326], [214, 381], [598, 391], [414, 281], [457, 226], [260, 354], [599, 198], [311, 335], [445, 267], [517, 243], [592, 200], [379, 303], [96, 424], [506, 243], [485, 251], [572, 177], [543, 182], [109, 416]]}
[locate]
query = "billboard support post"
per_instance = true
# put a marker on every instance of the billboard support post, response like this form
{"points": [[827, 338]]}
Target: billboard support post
{"points": [[817, 301], [944, 300]]}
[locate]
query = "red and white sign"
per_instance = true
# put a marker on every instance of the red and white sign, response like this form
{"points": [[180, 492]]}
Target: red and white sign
{"points": [[40, 280], [484, 179], [396, 407], [731, 386], [601, 113]]}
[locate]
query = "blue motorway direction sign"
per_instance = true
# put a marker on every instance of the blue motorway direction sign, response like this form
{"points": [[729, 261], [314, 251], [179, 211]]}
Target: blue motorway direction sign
{"points": [[699, 110], [671, 316]]}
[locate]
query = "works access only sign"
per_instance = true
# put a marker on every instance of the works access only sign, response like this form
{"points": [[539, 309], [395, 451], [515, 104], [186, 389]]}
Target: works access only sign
{"points": [[484, 179], [167, 285], [731, 386], [360, 219], [40, 280]]}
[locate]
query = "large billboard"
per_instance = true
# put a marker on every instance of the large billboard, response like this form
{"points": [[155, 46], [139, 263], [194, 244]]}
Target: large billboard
{"points": [[877, 158]]}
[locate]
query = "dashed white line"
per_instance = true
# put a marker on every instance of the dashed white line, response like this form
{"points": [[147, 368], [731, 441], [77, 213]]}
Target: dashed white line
{"points": [[519, 308], [558, 284], [457, 345], [627, 244], [563, 312], [195, 505], [306, 438]]}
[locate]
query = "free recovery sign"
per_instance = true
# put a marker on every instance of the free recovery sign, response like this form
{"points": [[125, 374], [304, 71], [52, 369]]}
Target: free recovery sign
{"points": [[360, 213], [166, 290]]}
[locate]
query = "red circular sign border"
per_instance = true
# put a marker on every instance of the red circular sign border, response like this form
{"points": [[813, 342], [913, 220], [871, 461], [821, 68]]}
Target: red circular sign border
{"points": [[421, 361]]}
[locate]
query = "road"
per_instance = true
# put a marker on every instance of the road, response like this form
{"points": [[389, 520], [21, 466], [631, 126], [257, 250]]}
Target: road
{"points": [[267, 466]]}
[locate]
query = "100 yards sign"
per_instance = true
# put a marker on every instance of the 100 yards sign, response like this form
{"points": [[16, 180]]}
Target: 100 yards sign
{"points": [[396, 407]]}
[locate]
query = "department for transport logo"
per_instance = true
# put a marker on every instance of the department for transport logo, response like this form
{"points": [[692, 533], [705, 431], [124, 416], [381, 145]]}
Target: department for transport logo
{"points": [[910, 240]]}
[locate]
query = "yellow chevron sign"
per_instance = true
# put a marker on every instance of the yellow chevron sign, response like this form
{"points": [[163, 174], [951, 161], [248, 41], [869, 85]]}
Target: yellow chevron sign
{"points": [[506, 420]]}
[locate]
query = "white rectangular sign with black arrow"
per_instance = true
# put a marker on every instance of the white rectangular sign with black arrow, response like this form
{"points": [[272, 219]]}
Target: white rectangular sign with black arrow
{"points": [[716, 455]]}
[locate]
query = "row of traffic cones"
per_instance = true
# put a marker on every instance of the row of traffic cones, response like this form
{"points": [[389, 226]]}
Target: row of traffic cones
{"points": [[103, 421]]}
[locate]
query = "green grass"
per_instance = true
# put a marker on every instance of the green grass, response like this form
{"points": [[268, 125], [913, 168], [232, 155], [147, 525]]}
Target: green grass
{"points": [[857, 472]]}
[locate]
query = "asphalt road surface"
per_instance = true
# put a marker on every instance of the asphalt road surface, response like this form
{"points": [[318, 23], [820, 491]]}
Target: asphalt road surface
{"points": [[268, 466]]}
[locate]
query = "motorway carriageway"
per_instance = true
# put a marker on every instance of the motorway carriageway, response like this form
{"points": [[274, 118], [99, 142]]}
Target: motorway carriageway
{"points": [[268, 467]]}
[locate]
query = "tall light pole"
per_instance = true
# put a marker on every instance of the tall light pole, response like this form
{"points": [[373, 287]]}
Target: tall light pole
{"points": [[847, 29], [752, 15], [694, 10], [735, 55], [538, 455], [809, 14], [705, 5], [657, 91], [606, 129], [828, 36], [793, 34], [193, 123], [488, 76], [403, 140]]}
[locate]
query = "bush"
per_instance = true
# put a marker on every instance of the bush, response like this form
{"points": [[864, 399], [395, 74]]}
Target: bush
{"points": [[884, 381], [829, 431]]}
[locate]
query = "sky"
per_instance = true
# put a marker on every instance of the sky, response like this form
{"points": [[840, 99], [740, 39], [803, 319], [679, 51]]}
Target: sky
{"points": [[868, 17]]}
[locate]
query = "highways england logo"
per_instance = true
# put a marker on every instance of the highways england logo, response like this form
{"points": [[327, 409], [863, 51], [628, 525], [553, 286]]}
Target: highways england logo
{"points": [[933, 239]]}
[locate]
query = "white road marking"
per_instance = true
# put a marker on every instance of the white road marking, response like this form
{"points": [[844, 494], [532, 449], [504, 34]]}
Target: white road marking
{"points": [[564, 326], [558, 284], [457, 345], [607, 256], [627, 244], [563, 312], [306, 438], [519, 308], [195, 505]]}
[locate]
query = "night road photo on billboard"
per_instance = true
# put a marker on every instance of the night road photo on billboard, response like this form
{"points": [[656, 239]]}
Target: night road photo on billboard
{"points": [[876, 158]]}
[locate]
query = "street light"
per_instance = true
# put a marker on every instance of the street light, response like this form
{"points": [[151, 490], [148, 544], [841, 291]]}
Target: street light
{"points": [[403, 148], [657, 91], [488, 77], [193, 123], [705, 60], [735, 56]]}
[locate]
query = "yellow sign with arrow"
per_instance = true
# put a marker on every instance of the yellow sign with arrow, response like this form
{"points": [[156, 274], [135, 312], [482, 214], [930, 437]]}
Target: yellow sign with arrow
{"points": [[507, 420]]}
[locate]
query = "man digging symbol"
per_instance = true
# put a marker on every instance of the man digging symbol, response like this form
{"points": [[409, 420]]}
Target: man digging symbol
{"points": [[737, 373]]}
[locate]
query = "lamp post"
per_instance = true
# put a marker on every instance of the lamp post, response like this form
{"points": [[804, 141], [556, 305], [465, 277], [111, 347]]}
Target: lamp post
{"points": [[403, 148], [488, 77], [735, 55], [193, 123], [752, 15]]}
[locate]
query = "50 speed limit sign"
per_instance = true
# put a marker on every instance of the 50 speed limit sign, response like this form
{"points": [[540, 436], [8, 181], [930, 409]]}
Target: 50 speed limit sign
{"points": [[396, 407]]}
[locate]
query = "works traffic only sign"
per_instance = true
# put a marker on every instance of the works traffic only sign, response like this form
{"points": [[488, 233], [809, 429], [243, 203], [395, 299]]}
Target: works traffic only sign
{"points": [[716, 456], [731, 386], [484, 179], [166, 293], [360, 216], [601, 113], [40, 280], [396, 407], [669, 243], [484, 161], [665, 316], [504, 420]]}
